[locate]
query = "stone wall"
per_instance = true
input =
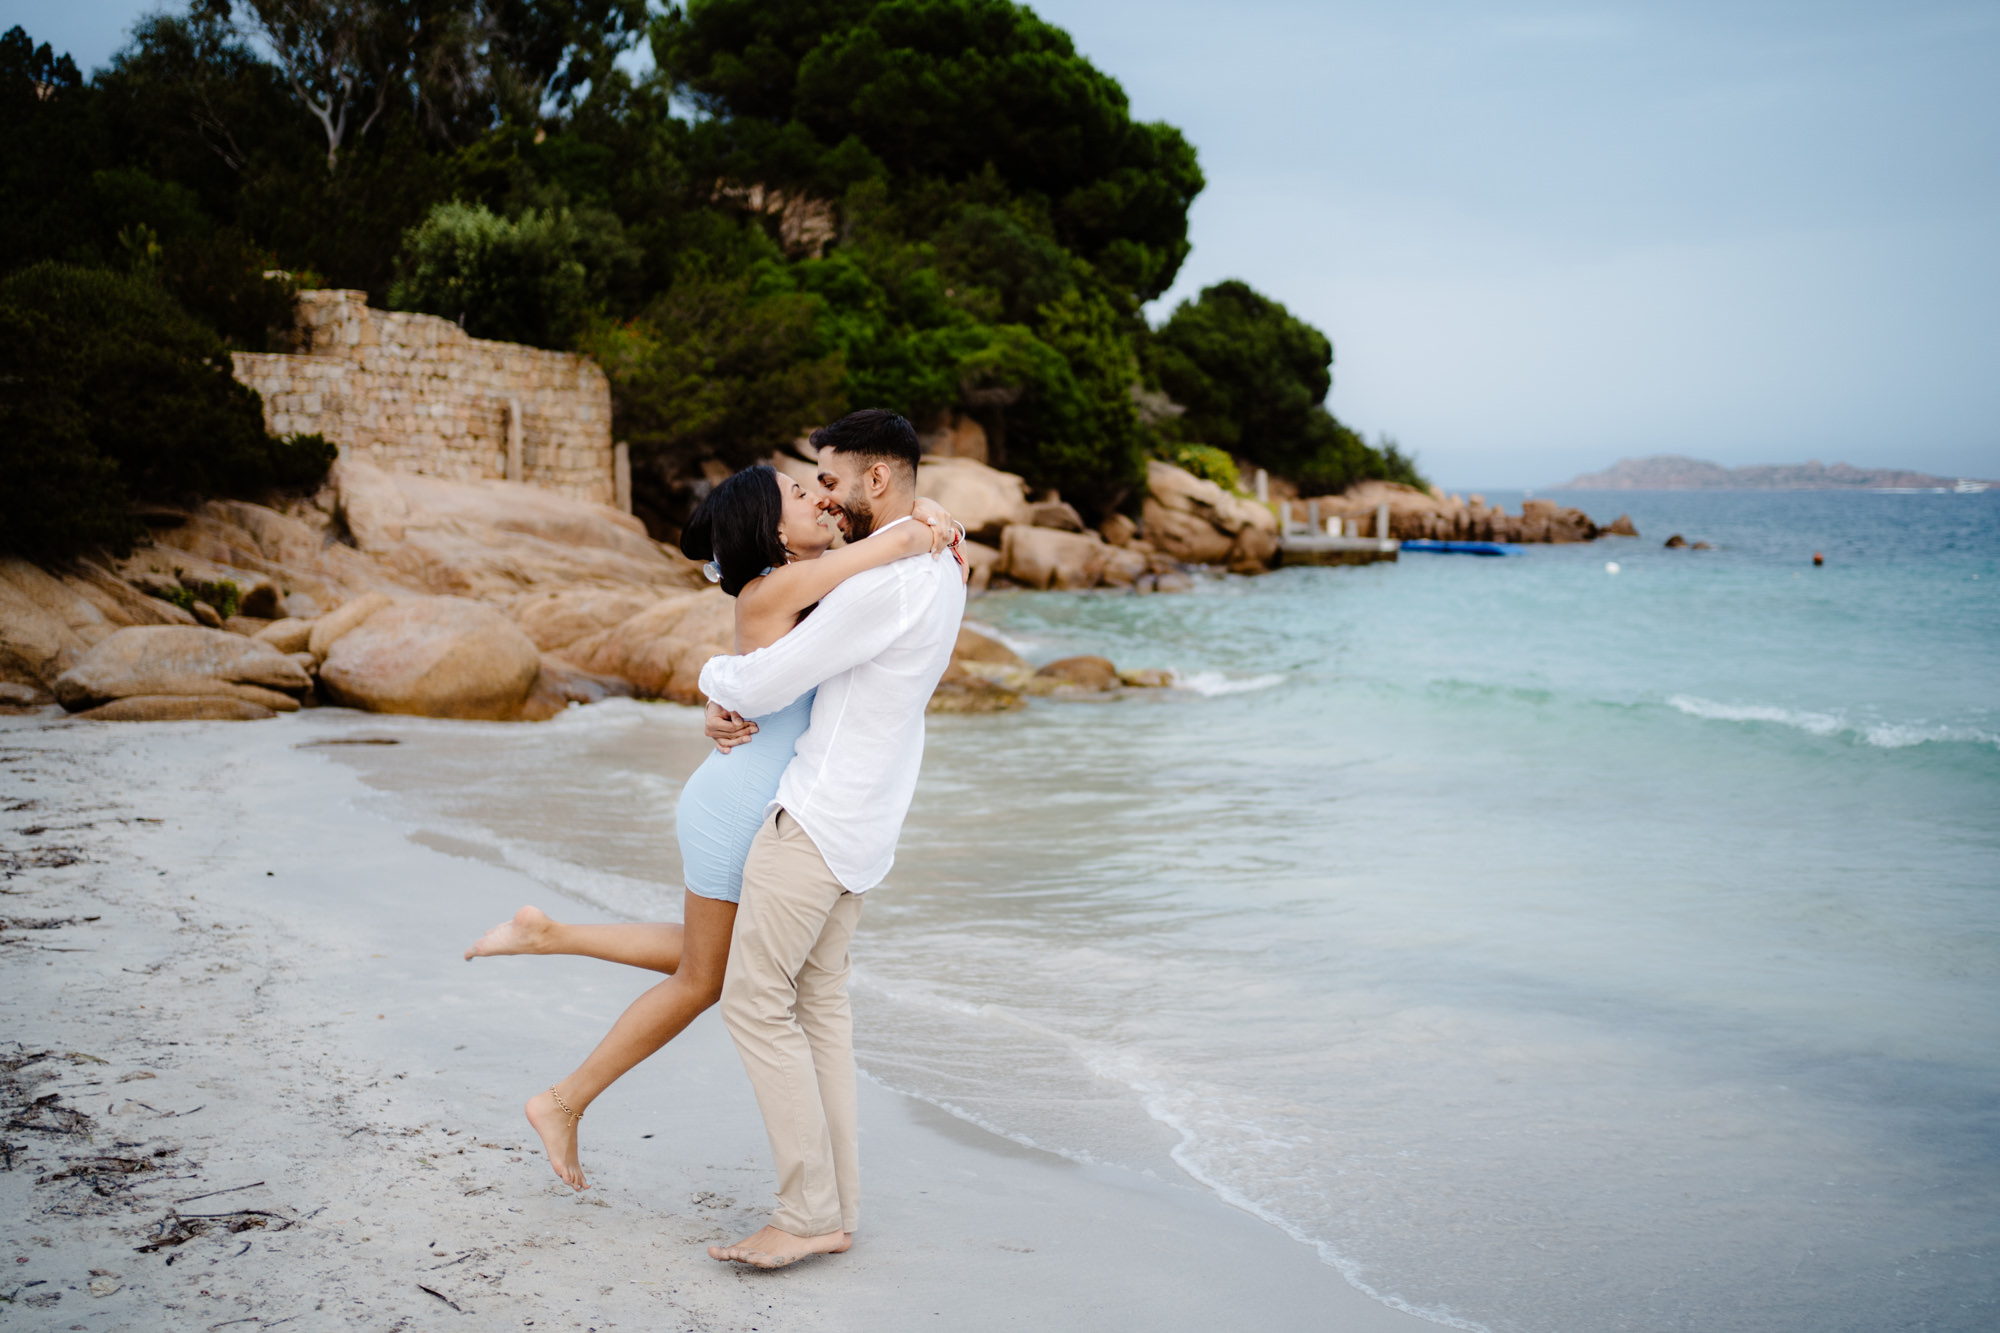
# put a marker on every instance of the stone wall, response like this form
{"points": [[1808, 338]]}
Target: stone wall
{"points": [[414, 393]]}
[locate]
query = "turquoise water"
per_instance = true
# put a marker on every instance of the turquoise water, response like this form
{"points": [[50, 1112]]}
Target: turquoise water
{"points": [[1554, 949]]}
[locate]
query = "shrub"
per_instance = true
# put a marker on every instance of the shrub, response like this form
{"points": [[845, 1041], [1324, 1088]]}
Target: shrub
{"points": [[533, 279], [110, 393], [1210, 463]]}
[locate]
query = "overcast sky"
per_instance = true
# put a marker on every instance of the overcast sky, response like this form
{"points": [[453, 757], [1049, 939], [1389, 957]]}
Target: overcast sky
{"points": [[1547, 236]]}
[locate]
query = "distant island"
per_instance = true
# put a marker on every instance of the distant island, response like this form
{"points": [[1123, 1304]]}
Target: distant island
{"points": [[1674, 472]]}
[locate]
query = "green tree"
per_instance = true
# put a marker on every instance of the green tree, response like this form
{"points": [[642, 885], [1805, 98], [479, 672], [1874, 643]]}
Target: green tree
{"points": [[533, 279], [715, 371], [943, 89], [1254, 380], [113, 394]]}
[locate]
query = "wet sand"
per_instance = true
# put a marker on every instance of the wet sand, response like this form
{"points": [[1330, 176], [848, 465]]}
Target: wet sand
{"points": [[280, 1097]]}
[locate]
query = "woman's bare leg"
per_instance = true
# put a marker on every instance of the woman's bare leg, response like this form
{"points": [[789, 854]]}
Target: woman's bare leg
{"points": [[655, 946], [653, 1020]]}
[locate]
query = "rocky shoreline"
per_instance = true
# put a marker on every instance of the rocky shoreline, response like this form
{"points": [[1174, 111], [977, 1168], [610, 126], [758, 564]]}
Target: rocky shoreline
{"points": [[492, 600]]}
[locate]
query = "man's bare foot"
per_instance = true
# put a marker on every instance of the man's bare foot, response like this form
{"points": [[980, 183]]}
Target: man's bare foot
{"points": [[526, 932], [772, 1248], [558, 1134]]}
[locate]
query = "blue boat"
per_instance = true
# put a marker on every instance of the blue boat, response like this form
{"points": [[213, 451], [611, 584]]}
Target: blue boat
{"points": [[1463, 548]]}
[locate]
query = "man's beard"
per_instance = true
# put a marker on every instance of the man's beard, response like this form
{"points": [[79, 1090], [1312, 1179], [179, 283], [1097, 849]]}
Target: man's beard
{"points": [[860, 519]]}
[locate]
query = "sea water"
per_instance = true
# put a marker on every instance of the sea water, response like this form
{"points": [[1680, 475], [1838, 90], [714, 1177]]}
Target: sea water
{"points": [[1551, 948]]}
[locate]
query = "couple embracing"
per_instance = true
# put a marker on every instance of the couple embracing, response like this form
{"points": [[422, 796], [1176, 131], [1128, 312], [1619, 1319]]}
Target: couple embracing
{"points": [[818, 722]]}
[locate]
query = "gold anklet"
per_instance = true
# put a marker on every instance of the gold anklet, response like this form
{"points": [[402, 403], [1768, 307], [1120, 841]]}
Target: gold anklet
{"points": [[563, 1106]]}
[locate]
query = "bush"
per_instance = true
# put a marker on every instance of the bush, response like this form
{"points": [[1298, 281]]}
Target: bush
{"points": [[1209, 463], [113, 394], [536, 279]]}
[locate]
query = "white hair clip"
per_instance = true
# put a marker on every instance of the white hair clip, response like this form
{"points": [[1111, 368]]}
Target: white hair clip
{"points": [[712, 571]]}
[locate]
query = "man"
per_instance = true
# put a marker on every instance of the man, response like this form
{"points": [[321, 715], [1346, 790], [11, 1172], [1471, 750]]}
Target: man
{"points": [[875, 647]]}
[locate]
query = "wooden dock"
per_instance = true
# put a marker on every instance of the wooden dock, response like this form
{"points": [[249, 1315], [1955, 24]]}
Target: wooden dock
{"points": [[1311, 542]]}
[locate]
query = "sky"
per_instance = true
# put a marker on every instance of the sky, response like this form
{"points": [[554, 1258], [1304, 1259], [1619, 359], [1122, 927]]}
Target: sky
{"points": [[1544, 237]]}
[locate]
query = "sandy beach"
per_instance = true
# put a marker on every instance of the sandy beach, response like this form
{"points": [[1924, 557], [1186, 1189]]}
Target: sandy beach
{"points": [[250, 1083]]}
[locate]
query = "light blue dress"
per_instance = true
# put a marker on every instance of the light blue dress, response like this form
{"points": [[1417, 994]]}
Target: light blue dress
{"points": [[723, 804]]}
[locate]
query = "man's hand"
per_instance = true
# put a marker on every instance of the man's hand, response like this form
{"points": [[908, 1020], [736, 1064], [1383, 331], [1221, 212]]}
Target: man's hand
{"points": [[728, 730]]}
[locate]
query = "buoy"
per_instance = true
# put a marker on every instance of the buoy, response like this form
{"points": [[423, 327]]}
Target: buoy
{"points": [[1818, 559], [1611, 566]]}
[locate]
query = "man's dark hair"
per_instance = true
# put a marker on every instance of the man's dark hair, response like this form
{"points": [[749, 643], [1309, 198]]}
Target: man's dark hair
{"points": [[875, 434], [737, 527]]}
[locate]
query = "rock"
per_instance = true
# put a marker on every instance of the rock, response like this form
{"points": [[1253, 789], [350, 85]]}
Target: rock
{"points": [[960, 691], [1057, 514], [974, 645], [205, 614], [982, 562], [497, 539], [1186, 536], [1179, 491], [227, 590], [329, 628], [1701, 546], [955, 436], [1118, 530], [554, 620], [1676, 542], [1254, 552], [1417, 514], [1045, 558], [44, 626], [1620, 527], [1172, 581], [23, 696], [1147, 678], [248, 626], [559, 685], [1201, 523], [304, 552], [1551, 522], [432, 657], [662, 650], [120, 603], [178, 708], [984, 499], [1076, 675], [288, 636], [1124, 567], [182, 660]]}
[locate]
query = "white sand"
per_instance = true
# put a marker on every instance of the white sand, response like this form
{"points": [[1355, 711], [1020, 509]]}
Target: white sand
{"points": [[286, 969]]}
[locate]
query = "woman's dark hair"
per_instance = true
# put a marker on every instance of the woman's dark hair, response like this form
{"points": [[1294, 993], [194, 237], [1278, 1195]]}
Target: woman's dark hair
{"points": [[736, 526]]}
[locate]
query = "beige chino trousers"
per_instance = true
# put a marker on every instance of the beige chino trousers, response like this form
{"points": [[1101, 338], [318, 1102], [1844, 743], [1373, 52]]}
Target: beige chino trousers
{"points": [[784, 1000]]}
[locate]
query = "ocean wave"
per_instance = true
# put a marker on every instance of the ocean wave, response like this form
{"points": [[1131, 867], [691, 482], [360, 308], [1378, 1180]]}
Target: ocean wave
{"points": [[1882, 735], [1023, 647], [1214, 683], [1200, 1117], [617, 895]]}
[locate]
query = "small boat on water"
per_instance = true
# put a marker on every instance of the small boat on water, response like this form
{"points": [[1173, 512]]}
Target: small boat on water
{"points": [[1964, 487], [1463, 548]]}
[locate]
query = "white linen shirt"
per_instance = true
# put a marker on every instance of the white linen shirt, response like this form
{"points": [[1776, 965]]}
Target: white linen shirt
{"points": [[876, 646]]}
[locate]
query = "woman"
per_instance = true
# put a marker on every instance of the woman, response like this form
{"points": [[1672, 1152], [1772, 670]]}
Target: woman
{"points": [[765, 542]]}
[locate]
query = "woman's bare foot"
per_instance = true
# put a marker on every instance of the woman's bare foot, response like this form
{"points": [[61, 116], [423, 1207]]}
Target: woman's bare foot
{"points": [[772, 1248], [526, 932], [558, 1134]]}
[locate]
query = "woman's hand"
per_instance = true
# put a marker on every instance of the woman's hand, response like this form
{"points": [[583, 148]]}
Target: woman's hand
{"points": [[945, 531], [728, 730]]}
